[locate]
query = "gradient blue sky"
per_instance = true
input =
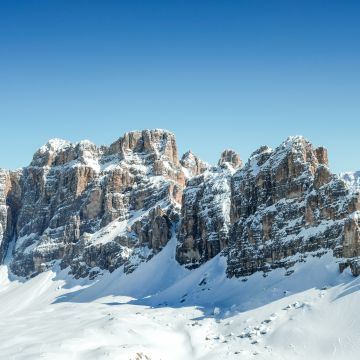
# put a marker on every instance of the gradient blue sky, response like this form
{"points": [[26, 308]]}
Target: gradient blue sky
{"points": [[220, 74]]}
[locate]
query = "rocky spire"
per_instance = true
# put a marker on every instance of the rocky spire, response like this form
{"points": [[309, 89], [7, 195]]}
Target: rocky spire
{"points": [[230, 158], [193, 164]]}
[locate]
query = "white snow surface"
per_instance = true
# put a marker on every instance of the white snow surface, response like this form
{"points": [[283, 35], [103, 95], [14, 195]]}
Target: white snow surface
{"points": [[162, 311], [54, 145]]}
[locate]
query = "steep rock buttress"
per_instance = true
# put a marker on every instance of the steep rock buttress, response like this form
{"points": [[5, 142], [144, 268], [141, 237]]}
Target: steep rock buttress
{"points": [[93, 208]]}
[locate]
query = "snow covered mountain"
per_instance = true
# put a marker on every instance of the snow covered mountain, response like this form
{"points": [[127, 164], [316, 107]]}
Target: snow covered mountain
{"points": [[221, 260], [93, 208], [98, 209]]}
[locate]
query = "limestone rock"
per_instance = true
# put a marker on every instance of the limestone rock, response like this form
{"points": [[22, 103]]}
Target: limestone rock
{"points": [[97, 208], [286, 202], [283, 202], [10, 202], [230, 158], [205, 217], [193, 165], [92, 209]]}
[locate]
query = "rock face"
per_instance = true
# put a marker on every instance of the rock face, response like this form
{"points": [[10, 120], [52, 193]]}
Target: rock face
{"points": [[93, 208], [281, 206], [193, 165], [285, 203], [229, 158], [10, 202], [4, 212], [205, 216], [96, 208]]}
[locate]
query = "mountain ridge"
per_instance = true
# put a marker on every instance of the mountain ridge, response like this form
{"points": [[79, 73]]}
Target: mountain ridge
{"points": [[96, 209]]}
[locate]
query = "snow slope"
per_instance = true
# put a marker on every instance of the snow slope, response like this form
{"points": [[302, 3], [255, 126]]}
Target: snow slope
{"points": [[162, 311]]}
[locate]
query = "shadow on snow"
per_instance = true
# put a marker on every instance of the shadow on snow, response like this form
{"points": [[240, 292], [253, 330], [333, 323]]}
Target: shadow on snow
{"points": [[162, 282]]}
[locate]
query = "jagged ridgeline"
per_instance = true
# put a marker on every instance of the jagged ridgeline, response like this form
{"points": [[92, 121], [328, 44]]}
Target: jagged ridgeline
{"points": [[91, 209]]}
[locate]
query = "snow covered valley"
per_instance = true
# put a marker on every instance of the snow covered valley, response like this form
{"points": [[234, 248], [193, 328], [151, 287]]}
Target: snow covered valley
{"points": [[162, 311]]}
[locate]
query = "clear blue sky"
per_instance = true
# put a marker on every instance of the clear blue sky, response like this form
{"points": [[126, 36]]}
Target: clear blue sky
{"points": [[220, 74]]}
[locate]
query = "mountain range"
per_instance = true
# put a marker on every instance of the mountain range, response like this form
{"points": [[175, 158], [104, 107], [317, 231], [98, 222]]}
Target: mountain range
{"points": [[136, 219], [93, 209]]}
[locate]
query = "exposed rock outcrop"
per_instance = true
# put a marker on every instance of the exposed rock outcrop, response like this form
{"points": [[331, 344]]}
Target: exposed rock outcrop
{"points": [[10, 203], [205, 216], [230, 158], [281, 206], [285, 202], [193, 165], [95, 208], [4, 236]]}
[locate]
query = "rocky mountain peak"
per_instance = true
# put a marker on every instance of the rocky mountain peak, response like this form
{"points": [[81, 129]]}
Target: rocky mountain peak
{"points": [[294, 157], [58, 152], [47, 153], [229, 158], [158, 143], [79, 201], [298, 149], [322, 155], [192, 164], [260, 156]]}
